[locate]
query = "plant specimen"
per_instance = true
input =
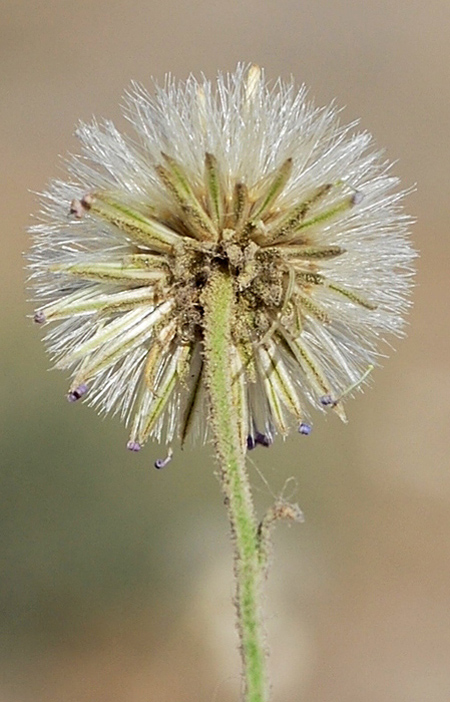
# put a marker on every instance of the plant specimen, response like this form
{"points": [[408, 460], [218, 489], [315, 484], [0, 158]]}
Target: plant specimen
{"points": [[233, 265]]}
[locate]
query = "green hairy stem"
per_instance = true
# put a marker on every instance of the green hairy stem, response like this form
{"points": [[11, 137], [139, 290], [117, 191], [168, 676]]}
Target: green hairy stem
{"points": [[218, 306]]}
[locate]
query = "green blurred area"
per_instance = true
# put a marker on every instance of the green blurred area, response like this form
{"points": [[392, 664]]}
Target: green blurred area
{"points": [[116, 579]]}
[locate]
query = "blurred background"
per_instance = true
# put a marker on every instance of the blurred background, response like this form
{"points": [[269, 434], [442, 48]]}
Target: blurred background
{"points": [[116, 579]]}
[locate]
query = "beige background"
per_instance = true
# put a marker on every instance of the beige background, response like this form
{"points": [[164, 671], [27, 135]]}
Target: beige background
{"points": [[115, 579]]}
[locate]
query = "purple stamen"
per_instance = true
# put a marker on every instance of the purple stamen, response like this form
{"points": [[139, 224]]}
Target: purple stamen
{"points": [[86, 201], [327, 401], [77, 209], [251, 443], [40, 317], [133, 446], [357, 197], [305, 429], [76, 394], [263, 440], [163, 462]]}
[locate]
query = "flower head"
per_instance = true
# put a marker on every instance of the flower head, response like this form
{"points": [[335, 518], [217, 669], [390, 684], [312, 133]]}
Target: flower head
{"points": [[298, 209]]}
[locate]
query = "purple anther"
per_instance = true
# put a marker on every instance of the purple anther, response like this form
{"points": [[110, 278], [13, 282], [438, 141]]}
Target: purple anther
{"points": [[163, 462], [263, 439], [76, 209], [133, 446], [40, 317], [76, 394], [327, 401], [305, 429], [251, 443], [357, 197], [86, 201]]}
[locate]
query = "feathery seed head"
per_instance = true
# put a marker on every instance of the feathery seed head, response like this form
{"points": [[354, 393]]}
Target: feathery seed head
{"points": [[243, 177]]}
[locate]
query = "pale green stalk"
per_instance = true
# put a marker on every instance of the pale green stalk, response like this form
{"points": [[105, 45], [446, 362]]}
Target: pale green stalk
{"points": [[218, 305]]}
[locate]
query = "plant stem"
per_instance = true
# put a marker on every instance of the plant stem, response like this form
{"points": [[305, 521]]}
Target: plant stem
{"points": [[219, 308]]}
